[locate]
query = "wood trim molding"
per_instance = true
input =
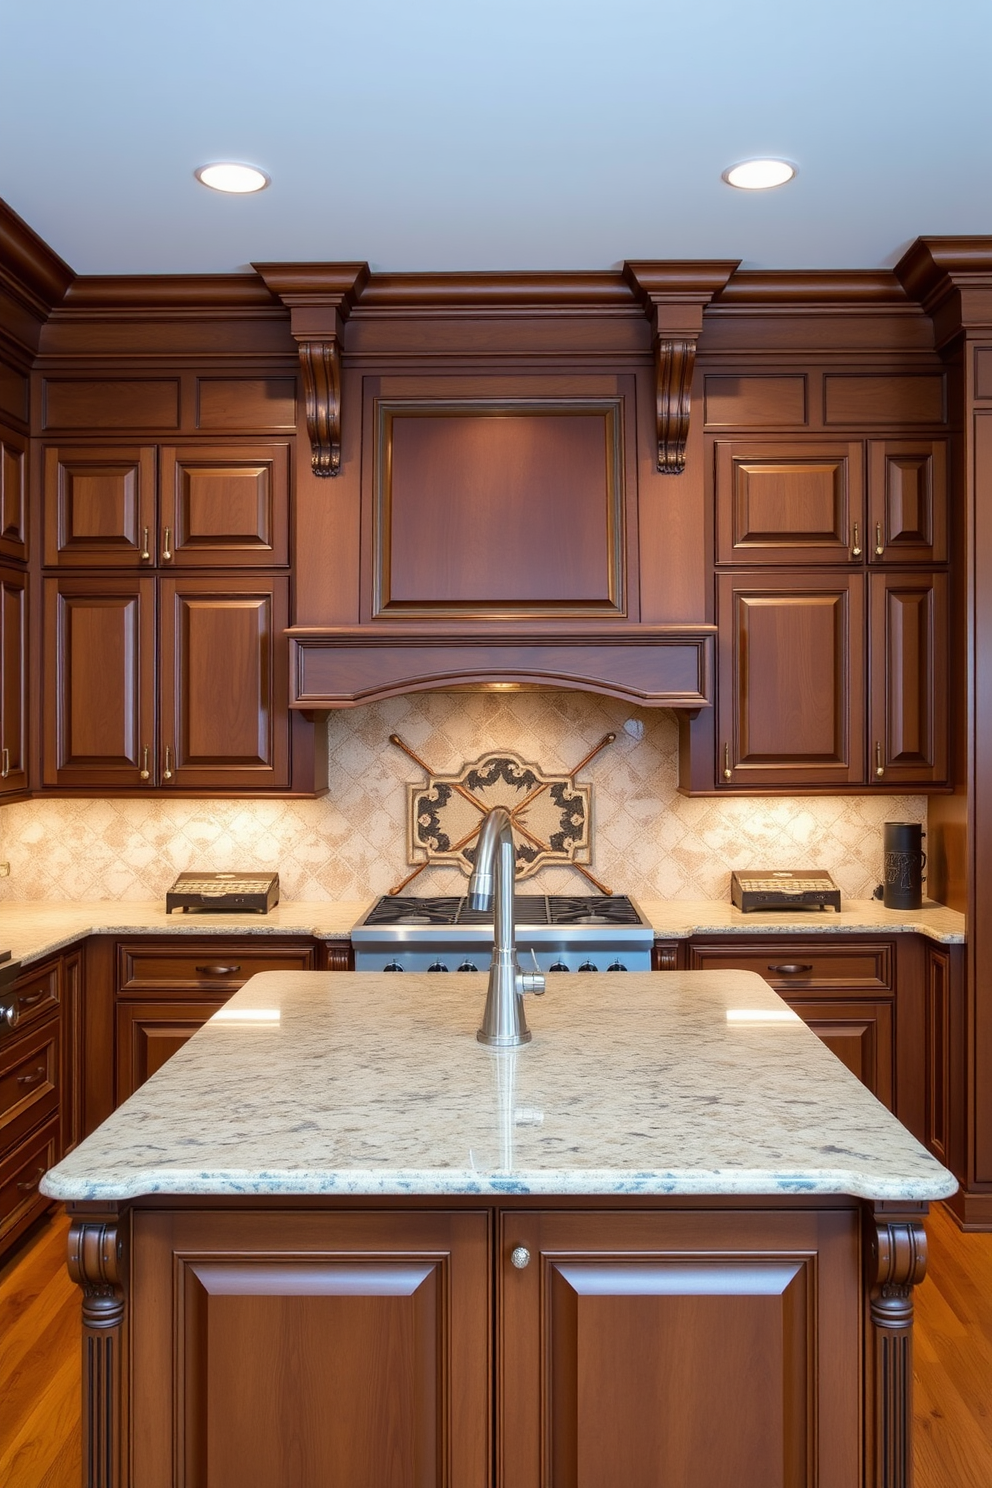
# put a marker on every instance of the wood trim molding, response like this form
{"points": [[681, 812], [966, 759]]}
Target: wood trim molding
{"points": [[320, 365], [95, 1254], [899, 1262], [674, 296], [29, 270]]}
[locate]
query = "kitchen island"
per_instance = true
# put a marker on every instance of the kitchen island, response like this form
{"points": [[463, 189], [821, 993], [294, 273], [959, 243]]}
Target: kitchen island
{"points": [[336, 1241]]}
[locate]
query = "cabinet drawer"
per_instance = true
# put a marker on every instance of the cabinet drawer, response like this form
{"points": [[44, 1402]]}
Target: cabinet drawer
{"points": [[20, 1175], [29, 1081], [217, 966], [796, 966], [34, 995]]}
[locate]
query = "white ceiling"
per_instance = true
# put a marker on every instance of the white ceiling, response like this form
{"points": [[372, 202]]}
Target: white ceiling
{"points": [[473, 134]]}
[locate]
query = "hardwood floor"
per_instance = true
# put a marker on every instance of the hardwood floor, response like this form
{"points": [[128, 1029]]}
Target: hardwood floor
{"points": [[40, 1363]]}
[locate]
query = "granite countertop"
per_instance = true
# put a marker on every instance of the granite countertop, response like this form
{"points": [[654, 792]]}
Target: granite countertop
{"points": [[31, 930], [363, 1083]]}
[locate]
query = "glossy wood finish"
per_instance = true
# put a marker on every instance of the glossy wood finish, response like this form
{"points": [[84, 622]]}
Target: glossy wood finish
{"points": [[909, 671], [21, 1170], [100, 506], [380, 1324], [791, 503], [15, 697], [13, 495], [790, 679], [907, 501], [99, 683], [225, 505], [149, 1033]]}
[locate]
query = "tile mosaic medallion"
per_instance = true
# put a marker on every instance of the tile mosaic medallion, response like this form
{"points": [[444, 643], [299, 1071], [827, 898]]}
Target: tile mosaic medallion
{"points": [[643, 837]]}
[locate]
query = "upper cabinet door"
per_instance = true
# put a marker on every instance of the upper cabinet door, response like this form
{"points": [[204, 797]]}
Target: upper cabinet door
{"points": [[224, 681], [13, 496], [907, 501], [225, 505], [99, 700], [790, 680], [789, 503], [13, 680], [100, 506], [910, 662]]}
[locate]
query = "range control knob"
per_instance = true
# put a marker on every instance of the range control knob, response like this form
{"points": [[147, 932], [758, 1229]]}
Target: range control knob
{"points": [[468, 966], [558, 966], [438, 966], [588, 966], [393, 966], [617, 966]]}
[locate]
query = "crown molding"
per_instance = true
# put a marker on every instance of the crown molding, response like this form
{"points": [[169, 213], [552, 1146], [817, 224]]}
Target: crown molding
{"points": [[30, 271]]}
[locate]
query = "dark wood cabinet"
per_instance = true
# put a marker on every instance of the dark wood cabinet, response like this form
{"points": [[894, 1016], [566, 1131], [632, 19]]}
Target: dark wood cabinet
{"points": [[907, 501], [215, 717], [801, 654], [790, 680], [13, 682], [13, 495], [149, 1033], [144, 506], [36, 1078]]}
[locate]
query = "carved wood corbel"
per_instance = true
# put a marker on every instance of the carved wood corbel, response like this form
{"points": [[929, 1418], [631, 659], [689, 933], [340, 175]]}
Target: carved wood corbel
{"points": [[319, 298], [899, 1256], [320, 362], [95, 1267], [675, 295]]}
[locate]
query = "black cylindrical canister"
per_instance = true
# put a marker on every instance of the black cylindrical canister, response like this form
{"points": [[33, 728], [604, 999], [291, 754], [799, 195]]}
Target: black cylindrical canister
{"points": [[903, 865]]}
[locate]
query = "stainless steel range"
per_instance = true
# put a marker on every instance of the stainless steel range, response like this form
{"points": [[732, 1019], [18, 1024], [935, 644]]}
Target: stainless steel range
{"points": [[584, 933]]}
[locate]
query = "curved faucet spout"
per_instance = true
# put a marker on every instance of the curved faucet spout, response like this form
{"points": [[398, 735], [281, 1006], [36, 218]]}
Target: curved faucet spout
{"points": [[504, 1025]]}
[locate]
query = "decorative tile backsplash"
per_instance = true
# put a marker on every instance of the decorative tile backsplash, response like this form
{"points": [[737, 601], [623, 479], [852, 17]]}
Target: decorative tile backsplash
{"points": [[647, 840]]}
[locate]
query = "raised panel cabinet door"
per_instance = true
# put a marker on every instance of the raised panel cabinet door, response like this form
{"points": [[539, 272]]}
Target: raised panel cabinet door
{"points": [[790, 503], [907, 501], [149, 1033], [909, 660], [225, 506], [13, 682], [696, 1350], [318, 1349], [99, 697], [224, 683], [99, 503], [13, 495], [859, 1033], [790, 679]]}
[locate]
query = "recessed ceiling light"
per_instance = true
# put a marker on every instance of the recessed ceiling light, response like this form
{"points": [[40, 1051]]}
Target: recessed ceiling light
{"points": [[225, 175], [759, 175]]}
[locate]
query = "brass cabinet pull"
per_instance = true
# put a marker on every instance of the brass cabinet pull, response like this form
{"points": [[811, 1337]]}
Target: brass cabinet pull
{"points": [[31, 998], [146, 551], [727, 771], [879, 545], [856, 545], [879, 767], [167, 772], [5, 767], [792, 968], [217, 971], [33, 1077], [10, 1012], [144, 773], [28, 1185], [520, 1257], [167, 546]]}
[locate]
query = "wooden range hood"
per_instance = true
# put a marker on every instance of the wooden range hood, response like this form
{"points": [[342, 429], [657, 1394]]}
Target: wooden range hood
{"points": [[497, 482]]}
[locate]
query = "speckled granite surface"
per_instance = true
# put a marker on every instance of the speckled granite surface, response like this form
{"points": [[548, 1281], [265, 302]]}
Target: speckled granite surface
{"points": [[360, 1083], [38, 928]]}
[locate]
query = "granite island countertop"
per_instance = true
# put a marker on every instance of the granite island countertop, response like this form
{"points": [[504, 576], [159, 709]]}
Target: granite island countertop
{"points": [[37, 928], [363, 1083]]}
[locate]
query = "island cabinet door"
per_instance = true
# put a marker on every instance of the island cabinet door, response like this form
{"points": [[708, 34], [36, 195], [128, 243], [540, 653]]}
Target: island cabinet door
{"points": [[691, 1349], [310, 1349]]}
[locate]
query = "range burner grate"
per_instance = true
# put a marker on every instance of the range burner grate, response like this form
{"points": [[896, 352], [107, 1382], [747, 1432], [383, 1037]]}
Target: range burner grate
{"points": [[531, 909]]}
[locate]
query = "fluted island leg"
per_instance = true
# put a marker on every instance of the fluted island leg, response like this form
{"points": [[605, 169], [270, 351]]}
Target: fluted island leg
{"points": [[94, 1265], [899, 1253]]}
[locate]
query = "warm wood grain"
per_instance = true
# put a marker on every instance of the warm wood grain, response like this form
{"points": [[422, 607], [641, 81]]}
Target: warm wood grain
{"points": [[790, 503], [226, 506], [15, 698], [13, 495], [99, 505]]}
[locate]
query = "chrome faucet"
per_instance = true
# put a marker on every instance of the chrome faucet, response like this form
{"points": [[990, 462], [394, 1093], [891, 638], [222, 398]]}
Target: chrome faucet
{"points": [[504, 1025]]}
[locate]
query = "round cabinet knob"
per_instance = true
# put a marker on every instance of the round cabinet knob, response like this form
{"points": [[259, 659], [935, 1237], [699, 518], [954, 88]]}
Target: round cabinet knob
{"points": [[393, 966], [588, 966], [10, 1012], [617, 966], [438, 966], [468, 966], [558, 966], [520, 1257]]}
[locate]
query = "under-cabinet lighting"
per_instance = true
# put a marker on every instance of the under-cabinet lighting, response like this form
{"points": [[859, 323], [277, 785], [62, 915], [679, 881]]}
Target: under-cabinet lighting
{"points": [[759, 175], [246, 1015], [762, 1015], [228, 175]]}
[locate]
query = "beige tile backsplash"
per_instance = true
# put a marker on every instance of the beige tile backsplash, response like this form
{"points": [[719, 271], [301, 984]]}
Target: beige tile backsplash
{"points": [[647, 839]]}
